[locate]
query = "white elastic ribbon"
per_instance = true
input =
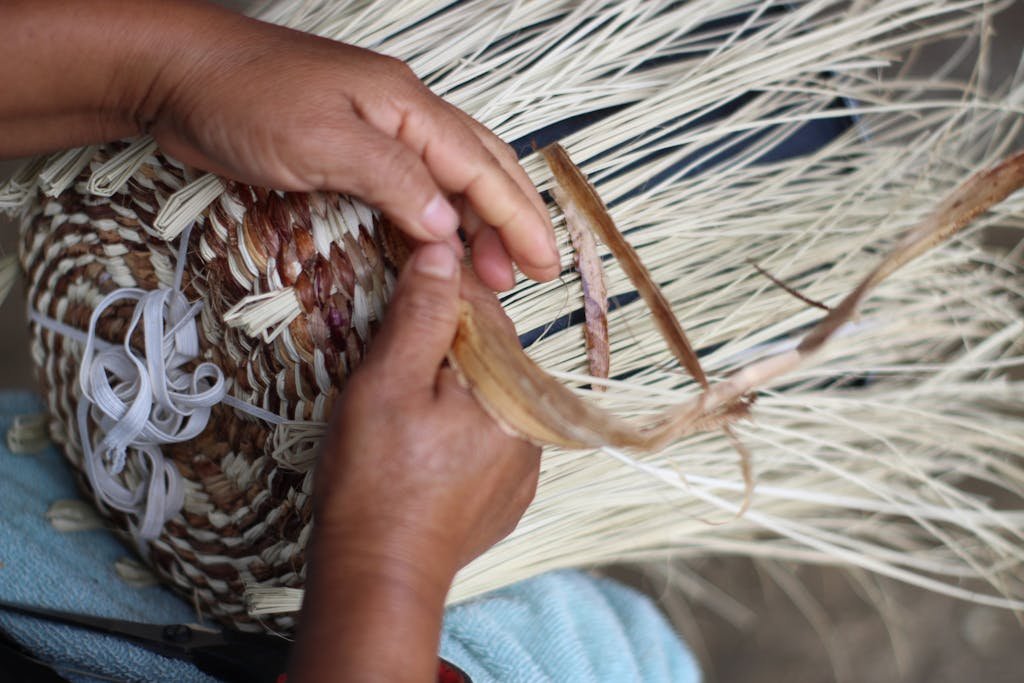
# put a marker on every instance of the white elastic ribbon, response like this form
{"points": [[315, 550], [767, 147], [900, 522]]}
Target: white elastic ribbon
{"points": [[140, 401]]}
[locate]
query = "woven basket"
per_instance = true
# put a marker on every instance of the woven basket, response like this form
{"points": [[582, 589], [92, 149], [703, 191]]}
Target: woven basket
{"points": [[246, 518]]}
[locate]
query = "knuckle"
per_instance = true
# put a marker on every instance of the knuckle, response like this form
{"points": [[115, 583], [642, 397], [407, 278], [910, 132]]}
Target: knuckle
{"points": [[421, 308], [506, 152], [397, 169], [399, 68]]}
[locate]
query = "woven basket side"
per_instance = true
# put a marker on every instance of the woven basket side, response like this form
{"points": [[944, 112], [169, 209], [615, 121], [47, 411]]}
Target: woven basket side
{"points": [[246, 516]]}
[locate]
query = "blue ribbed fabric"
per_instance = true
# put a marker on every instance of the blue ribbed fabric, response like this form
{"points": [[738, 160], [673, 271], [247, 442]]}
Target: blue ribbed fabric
{"points": [[564, 626], [72, 572]]}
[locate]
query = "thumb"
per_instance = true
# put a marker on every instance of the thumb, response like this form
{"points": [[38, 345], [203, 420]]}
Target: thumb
{"points": [[421, 319]]}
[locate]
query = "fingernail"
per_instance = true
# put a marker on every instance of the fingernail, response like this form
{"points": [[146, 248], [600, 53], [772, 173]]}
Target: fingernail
{"points": [[439, 218], [548, 244], [556, 257], [435, 260]]}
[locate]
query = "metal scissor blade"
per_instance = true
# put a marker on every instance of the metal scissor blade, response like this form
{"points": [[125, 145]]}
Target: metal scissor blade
{"points": [[174, 640]]}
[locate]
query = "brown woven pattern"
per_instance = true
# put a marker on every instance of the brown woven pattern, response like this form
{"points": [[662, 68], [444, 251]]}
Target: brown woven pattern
{"points": [[246, 518]]}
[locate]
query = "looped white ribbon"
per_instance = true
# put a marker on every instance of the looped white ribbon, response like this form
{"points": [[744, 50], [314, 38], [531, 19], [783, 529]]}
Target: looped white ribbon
{"points": [[139, 401]]}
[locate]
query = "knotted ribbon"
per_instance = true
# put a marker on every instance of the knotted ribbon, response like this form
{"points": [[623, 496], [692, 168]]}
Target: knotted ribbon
{"points": [[140, 400]]}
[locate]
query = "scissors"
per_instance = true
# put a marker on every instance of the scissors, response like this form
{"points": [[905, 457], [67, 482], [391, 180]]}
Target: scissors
{"points": [[231, 656]]}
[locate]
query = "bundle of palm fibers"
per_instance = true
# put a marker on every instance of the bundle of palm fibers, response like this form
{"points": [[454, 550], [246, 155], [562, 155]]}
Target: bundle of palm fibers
{"points": [[884, 451]]}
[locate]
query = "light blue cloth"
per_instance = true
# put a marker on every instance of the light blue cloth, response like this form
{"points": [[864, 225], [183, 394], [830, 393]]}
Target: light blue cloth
{"points": [[564, 626], [71, 572]]}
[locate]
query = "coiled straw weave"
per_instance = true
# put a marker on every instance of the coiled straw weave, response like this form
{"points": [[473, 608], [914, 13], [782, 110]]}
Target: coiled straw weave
{"points": [[246, 516]]}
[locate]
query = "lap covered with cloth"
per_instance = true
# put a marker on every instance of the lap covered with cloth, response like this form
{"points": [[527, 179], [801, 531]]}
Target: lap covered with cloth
{"points": [[562, 626]]}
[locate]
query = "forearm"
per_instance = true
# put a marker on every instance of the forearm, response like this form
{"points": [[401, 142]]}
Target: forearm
{"points": [[83, 71], [368, 618]]}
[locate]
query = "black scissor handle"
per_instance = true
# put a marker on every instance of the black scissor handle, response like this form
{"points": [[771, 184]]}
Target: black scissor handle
{"points": [[244, 658]]}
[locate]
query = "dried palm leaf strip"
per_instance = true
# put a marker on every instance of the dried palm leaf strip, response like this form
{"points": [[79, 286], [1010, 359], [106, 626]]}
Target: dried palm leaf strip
{"points": [[530, 403], [535, 406], [977, 194], [595, 294], [581, 203], [578, 199]]}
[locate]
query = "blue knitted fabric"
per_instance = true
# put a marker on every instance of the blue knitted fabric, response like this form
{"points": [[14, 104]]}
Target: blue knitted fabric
{"points": [[564, 626], [72, 572]]}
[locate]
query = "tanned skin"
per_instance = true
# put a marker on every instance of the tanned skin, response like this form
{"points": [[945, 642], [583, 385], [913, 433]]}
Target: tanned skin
{"points": [[415, 480]]}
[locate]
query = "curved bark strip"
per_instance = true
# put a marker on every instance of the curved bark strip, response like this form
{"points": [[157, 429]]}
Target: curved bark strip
{"points": [[574, 193], [533, 405], [595, 294]]}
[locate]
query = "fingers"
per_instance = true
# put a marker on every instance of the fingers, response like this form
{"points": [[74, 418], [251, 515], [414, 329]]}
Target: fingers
{"points": [[389, 175], [421, 321], [461, 164], [490, 258], [491, 261], [506, 156]]}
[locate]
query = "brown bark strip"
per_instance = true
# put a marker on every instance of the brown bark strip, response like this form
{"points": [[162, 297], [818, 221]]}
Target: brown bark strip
{"points": [[978, 193], [595, 293], [573, 189], [533, 405]]}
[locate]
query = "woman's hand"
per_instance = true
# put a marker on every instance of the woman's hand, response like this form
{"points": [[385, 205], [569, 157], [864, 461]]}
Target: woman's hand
{"points": [[412, 461], [284, 109], [414, 481], [273, 107]]}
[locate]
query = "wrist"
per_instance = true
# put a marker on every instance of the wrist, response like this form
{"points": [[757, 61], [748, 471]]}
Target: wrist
{"points": [[92, 71], [172, 46], [367, 615], [388, 549]]}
